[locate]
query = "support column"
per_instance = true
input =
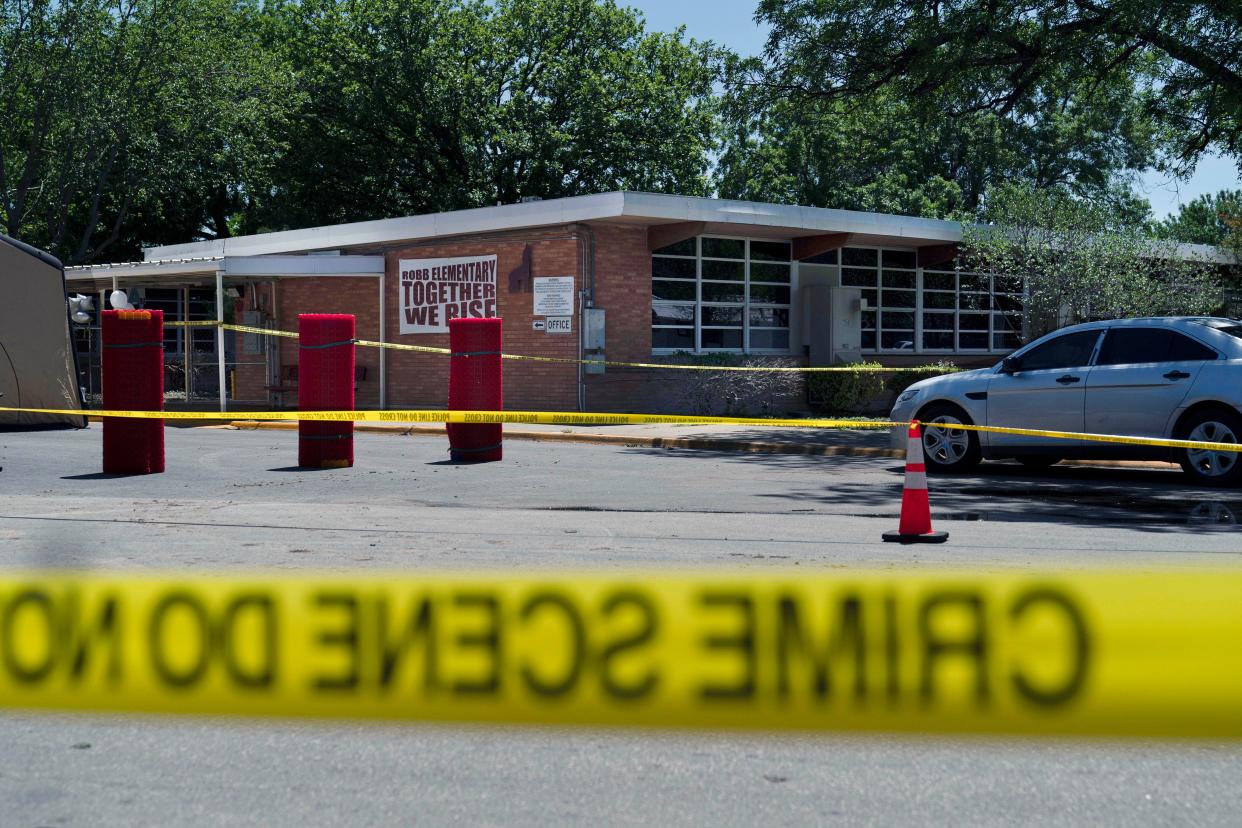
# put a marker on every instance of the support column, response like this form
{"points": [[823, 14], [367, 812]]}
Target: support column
{"points": [[383, 352], [224, 406], [187, 339]]}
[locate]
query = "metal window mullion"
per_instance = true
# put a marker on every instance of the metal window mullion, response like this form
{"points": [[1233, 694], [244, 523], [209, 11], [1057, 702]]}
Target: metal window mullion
{"points": [[879, 304], [746, 297], [698, 295], [918, 310], [957, 310]]}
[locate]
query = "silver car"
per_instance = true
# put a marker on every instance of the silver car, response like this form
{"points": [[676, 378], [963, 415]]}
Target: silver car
{"points": [[1178, 377]]}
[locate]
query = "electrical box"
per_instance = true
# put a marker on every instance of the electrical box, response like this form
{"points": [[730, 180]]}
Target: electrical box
{"points": [[593, 338], [593, 329]]}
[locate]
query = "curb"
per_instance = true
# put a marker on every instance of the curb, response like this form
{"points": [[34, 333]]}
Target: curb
{"points": [[697, 443]]}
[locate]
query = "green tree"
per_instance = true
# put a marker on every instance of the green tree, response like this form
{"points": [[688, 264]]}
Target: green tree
{"points": [[1205, 220], [1079, 263], [119, 115], [1182, 58], [437, 104], [883, 148], [887, 155]]}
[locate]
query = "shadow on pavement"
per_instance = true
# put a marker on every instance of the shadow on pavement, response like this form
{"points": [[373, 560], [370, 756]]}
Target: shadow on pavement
{"points": [[1155, 500]]}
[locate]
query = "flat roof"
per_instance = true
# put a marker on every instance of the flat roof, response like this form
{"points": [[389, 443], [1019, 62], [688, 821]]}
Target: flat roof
{"points": [[645, 209], [719, 216]]}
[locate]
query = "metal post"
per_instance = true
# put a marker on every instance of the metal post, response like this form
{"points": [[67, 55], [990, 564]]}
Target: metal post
{"points": [[186, 353], [220, 338], [383, 374]]}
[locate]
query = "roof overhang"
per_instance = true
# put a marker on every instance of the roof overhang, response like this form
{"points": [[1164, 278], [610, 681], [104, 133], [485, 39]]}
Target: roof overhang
{"points": [[232, 269], [651, 210], [725, 217]]}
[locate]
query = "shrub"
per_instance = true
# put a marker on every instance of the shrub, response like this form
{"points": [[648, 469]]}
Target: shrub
{"points": [[898, 381], [736, 393], [867, 386], [846, 391]]}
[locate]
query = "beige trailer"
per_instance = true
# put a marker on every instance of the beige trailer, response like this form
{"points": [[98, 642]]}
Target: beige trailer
{"points": [[37, 367]]}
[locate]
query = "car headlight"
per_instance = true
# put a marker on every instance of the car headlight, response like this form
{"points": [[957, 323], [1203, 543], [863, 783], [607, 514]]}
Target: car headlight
{"points": [[907, 395]]}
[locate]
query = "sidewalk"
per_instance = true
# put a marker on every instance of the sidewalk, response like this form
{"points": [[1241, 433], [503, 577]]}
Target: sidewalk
{"points": [[821, 442], [853, 442]]}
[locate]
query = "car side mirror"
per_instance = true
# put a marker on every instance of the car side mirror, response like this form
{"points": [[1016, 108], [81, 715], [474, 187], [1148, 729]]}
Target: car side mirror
{"points": [[1011, 365]]}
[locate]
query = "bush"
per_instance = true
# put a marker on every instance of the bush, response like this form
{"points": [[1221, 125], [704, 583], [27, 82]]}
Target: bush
{"points": [[867, 386], [736, 393], [899, 381], [846, 391]]}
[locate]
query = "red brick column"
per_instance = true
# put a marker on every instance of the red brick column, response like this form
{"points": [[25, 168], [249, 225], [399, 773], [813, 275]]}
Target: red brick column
{"points": [[326, 383], [133, 379]]}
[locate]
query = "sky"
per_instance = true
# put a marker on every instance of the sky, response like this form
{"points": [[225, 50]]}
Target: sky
{"points": [[731, 23]]}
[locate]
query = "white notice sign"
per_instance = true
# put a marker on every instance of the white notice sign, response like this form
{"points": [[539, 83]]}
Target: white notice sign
{"points": [[554, 296], [433, 291], [560, 324]]}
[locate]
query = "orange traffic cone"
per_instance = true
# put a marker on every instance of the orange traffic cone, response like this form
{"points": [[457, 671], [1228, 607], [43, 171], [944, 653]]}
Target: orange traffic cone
{"points": [[915, 525]]}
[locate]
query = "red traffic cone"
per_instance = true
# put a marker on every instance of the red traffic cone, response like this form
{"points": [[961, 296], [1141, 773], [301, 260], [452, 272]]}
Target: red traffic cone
{"points": [[915, 525]]}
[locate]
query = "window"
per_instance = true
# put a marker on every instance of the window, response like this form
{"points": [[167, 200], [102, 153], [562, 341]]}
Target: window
{"points": [[970, 312], [1136, 346], [930, 310], [721, 294], [202, 306], [1069, 351]]}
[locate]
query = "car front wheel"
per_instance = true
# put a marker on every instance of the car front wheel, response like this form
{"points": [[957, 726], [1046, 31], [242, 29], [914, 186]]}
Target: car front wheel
{"points": [[947, 449], [1210, 467]]}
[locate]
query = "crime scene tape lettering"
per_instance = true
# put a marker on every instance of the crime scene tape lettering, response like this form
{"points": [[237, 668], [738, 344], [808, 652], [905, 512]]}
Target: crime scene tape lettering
{"points": [[1091, 653]]}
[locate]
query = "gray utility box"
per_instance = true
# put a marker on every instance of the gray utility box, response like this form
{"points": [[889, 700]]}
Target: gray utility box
{"points": [[832, 324], [593, 337]]}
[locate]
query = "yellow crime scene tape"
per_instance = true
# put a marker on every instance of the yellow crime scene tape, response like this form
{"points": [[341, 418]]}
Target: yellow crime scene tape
{"points": [[441, 416], [426, 349], [1106, 654], [584, 418]]}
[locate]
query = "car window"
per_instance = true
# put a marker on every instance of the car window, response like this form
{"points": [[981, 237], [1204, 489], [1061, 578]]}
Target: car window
{"points": [[1184, 349], [1132, 346], [1068, 351], [1135, 346]]}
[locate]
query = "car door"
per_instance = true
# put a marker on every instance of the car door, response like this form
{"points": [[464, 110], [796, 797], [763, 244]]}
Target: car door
{"points": [[1045, 392], [1140, 377]]}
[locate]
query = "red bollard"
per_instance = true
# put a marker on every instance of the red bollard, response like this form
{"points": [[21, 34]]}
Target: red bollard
{"points": [[133, 380], [475, 384], [326, 383]]}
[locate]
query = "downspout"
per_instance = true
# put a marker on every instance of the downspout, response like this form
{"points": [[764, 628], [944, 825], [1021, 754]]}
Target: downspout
{"points": [[586, 299], [383, 362]]}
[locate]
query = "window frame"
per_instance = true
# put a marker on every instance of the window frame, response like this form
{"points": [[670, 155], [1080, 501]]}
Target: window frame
{"points": [[745, 305]]}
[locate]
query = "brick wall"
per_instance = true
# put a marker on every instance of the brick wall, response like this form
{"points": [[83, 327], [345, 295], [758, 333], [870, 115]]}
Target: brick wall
{"points": [[421, 380], [358, 296], [623, 290]]}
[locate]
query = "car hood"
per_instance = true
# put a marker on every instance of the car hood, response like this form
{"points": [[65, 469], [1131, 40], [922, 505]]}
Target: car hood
{"points": [[946, 381]]}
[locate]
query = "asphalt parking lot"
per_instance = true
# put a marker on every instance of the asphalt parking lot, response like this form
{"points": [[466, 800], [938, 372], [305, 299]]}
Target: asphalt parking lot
{"points": [[234, 500]]}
